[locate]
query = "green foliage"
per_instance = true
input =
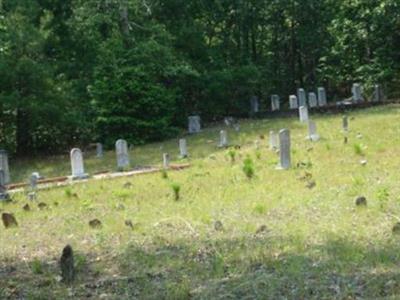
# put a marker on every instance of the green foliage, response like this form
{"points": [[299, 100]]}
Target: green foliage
{"points": [[232, 155], [36, 267], [248, 167], [176, 188], [358, 149]]}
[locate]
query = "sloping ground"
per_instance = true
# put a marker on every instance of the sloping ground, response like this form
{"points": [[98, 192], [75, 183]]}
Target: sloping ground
{"points": [[275, 236]]}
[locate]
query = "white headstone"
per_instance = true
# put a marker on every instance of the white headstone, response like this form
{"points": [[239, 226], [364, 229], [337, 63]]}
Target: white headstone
{"points": [[194, 124], [254, 104], [183, 148], [378, 93], [273, 140], [4, 166], [303, 114], [99, 150], [357, 92], [78, 170], [312, 100], [121, 148], [301, 95], [165, 160], [3, 189], [33, 180], [284, 146], [223, 139], [229, 121], [293, 102], [312, 131], [322, 97], [275, 102]]}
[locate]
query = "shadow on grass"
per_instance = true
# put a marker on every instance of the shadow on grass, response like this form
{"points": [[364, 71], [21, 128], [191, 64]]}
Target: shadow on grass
{"points": [[252, 267]]}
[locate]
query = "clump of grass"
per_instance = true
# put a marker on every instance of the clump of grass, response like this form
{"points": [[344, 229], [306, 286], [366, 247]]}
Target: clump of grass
{"points": [[358, 149], [258, 154], [176, 188], [383, 197], [68, 192], [164, 174], [260, 209], [232, 155], [36, 266], [248, 167]]}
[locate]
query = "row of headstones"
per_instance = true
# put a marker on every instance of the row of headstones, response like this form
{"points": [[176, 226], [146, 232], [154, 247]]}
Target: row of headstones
{"points": [[315, 100]]}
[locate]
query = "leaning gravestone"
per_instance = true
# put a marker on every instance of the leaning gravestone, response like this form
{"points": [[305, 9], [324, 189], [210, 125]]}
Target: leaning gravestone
{"points": [[312, 131], [99, 150], [275, 102], [301, 95], [121, 148], [312, 100], [293, 102], [345, 123], [165, 160], [357, 93], [4, 165], [273, 140], [183, 148], [303, 114], [378, 93], [322, 97], [3, 189], [223, 139], [194, 124], [33, 180], [78, 170], [284, 153], [254, 105]]}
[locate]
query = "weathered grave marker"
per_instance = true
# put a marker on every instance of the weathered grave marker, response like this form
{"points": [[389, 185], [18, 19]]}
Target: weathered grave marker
{"points": [[254, 105], [378, 93], [303, 114], [121, 148], [275, 102], [67, 265], [9, 220], [78, 170], [99, 150], [165, 160], [312, 131], [312, 100], [194, 124], [322, 97], [183, 148], [345, 123], [4, 166], [284, 153], [3, 189], [357, 93], [273, 140], [223, 139], [301, 95], [293, 102]]}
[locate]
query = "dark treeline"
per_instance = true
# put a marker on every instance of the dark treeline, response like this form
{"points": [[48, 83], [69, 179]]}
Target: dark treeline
{"points": [[78, 71]]}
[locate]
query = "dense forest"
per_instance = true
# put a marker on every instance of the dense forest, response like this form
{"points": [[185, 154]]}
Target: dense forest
{"points": [[78, 71]]}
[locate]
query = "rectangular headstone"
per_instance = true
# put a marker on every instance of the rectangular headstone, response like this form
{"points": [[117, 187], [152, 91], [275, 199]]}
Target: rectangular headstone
{"points": [[121, 149], [194, 124], [284, 146], [312, 100], [3, 189], [99, 150], [78, 170], [183, 148], [33, 180], [322, 100], [254, 105], [4, 166], [273, 140], [223, 139], [165, 160], [345, 123], [378, 93], [303, 114], [301, 96], [312, 131], [357, 93], [275, 102], [293, 102]]}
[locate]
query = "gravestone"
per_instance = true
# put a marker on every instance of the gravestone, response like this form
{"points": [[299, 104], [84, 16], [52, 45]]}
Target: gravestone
{"points": [[99, 150], [229, 121], [3, 189], [194, 124], [275, 102], [121, 149], [293, 102], [378, 93], [312, 131], [303, 114], [183, 148], [78, 170], [33, 180], [357, 93], [223, 139], [273, 140], [165, 160], [345, 123], [4, 165], [254, 105], [284, 153], [312, 100], [322, 97], [301, 96]]}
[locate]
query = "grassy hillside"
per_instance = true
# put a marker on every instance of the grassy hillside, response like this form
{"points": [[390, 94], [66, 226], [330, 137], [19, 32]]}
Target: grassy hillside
{"points": [[293, 234]]}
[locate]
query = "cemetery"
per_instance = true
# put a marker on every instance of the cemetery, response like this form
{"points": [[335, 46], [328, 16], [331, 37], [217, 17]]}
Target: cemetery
{"points": [[199, 149]]}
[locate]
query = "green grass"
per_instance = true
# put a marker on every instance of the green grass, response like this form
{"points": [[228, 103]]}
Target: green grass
{"points": [[316, 244]]}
